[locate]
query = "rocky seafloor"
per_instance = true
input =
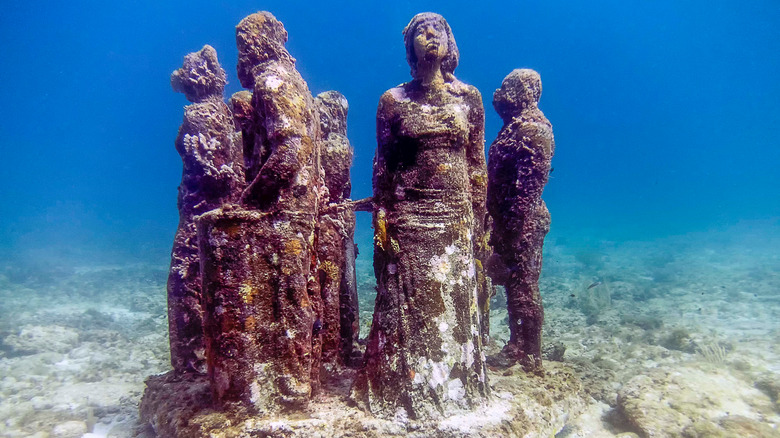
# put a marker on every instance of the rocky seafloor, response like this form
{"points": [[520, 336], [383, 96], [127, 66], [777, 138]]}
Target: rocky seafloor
{"points": [[670, 338]]}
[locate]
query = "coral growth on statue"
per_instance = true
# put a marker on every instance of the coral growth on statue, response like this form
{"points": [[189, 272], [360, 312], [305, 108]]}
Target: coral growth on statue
{"points": [[262, 293]]}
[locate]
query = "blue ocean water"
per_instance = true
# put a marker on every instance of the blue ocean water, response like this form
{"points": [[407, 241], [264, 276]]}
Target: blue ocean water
{"points": [[664, 251], [665, 113]]}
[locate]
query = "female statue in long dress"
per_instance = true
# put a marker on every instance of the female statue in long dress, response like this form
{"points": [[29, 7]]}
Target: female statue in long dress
{"points": [[424, 355]]}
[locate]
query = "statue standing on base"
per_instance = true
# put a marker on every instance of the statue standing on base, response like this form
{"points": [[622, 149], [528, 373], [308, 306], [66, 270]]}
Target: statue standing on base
{"points": [[518, 168], [259, 261], [213, 174], [336, 241], [424, 354]]}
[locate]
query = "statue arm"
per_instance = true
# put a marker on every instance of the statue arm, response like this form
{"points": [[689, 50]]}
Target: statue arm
{"points": [[385, 141], [477, 167], [290, 143]]}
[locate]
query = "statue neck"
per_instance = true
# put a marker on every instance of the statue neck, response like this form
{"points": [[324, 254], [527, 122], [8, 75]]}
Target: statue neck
{"points": [[430, 75]]}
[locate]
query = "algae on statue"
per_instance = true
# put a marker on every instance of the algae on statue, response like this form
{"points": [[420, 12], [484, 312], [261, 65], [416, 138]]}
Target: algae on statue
{"points": [[259, 259], [424, 353], [336, 245], [212, 175], [519, 167]]}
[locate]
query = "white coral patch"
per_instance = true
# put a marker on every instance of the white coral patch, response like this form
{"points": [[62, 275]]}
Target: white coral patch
{"points": [[302, 179], [399, 94], [467, 353], [451, 249], [400, 192], [284, 122], [273, 82], [443, 326], [455, 390], [440, 267], [439, 373], [472, 272], [254, 392]]}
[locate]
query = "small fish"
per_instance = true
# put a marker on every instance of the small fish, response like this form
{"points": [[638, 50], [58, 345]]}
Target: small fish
{"points": [[573, 296], [594, 284]]}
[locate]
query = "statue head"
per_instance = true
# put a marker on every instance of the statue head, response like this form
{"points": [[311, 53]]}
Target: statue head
{"points": [[260, 37], [520, 89], [333, 108], [200, 76], [435, 22]]}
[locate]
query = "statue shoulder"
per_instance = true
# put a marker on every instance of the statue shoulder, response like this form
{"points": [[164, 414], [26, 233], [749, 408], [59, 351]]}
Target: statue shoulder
{"points": [[391, 100], [394, 95], [467, 91]]}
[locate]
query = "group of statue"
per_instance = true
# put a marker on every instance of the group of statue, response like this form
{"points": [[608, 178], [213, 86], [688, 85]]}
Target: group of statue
{"points": [[262, 292]]}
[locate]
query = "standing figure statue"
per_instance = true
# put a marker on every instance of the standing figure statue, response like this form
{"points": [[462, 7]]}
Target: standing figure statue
{"points": [[519, 166], [258, 259], [336, 237], [213, 174], [424, 354]]}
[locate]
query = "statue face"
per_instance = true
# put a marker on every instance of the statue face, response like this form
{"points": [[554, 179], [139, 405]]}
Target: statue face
{"points": [[430, 41]]}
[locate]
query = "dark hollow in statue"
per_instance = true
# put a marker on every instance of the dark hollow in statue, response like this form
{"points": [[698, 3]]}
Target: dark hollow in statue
{"points": [[212, 175], [519, 166], [424, 353]]}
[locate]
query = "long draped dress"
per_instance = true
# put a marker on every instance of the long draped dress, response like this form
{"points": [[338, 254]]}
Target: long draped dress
{"points": [[424, 351]]}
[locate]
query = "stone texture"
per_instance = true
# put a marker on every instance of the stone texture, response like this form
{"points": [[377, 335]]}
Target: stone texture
{"points": [[424, 354], [258, 259], [518, 168], [212, 175], [69, 429], [336, 246], [335, 149], [525, 405], [201, 77], [260, 318], [283, 162]]}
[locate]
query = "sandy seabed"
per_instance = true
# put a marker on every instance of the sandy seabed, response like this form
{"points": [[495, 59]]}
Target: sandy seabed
{"points": [[674, 337]]}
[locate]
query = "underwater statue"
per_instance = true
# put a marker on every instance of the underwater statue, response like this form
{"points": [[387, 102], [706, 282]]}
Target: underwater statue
{"points": [[424, 352], [519, 166], [263, 285], [259, 260], [212, 175], [336, 238]]}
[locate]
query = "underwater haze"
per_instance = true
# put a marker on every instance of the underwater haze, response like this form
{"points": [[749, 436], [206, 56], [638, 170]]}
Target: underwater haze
{"points": [[665, 113], [663, 257]]}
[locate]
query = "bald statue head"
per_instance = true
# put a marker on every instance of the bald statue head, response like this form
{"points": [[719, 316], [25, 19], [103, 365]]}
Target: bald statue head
{"points": [[520, 89]]}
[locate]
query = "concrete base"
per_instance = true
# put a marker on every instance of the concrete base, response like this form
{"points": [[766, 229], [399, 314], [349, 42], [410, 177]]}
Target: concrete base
{"points": [[522, 405]]}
